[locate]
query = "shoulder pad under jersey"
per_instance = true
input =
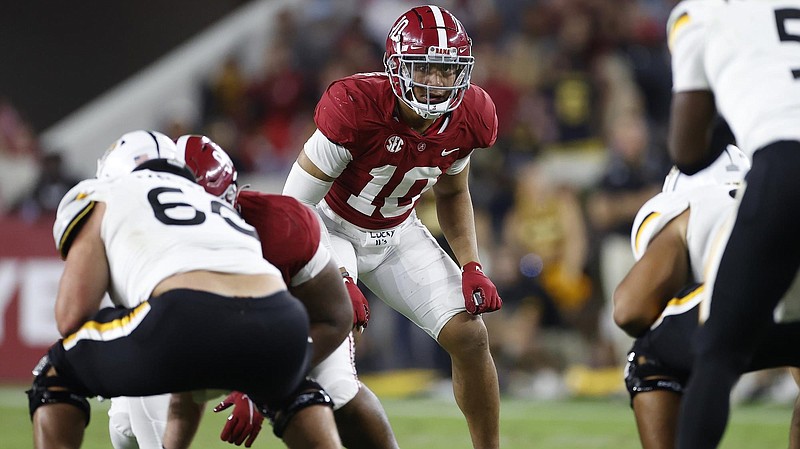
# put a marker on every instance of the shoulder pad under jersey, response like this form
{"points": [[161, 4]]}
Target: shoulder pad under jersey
{"points": [[73, 209], [653, 216]]}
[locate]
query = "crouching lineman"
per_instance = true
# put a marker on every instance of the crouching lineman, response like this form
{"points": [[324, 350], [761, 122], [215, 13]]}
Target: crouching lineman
{"points": [[193, 296], [290, 238], [676, 238]]}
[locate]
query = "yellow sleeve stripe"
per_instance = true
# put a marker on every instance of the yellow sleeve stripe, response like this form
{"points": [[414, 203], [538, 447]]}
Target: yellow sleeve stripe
{"points": [[120, 327], [675, 302], [680, 22], [66, 238], [650, 217]]}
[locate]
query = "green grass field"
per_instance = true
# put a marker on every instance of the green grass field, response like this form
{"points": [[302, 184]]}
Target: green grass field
{"points": [[433, 424]]}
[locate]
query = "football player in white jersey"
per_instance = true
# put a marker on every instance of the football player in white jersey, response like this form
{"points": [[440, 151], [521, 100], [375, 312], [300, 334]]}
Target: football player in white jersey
{"points": [[382, 140], [740, 59], [290, 238], [192, 292], [675, 237]]}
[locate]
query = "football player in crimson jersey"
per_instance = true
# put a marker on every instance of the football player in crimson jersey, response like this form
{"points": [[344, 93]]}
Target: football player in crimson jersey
{"points": [[675, 238], [192, 293], [382, 140], [290, 239], [739, 60]]}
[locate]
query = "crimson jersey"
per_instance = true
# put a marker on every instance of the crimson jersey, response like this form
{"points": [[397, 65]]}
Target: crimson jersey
{"points": [[289, 231], [392, 165]]}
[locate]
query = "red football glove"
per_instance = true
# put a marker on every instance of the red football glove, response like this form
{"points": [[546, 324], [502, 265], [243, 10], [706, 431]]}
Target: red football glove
{"points": [[245, 421], [480, 294], [360, 304]]}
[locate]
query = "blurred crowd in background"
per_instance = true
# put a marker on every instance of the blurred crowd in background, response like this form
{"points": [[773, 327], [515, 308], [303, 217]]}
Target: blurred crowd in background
{"points": [[582, 89]]}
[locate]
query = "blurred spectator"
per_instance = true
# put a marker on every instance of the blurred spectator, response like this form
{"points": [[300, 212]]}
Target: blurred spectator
{"points": [[571, 80], [51, 186], [18, 152], [518, 332], [633, 175], [547, 221], [278, 103], [223, 94], [546, 224]]}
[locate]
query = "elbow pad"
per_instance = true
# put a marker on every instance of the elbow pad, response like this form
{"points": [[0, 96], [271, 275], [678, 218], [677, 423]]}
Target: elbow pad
{"points": [[304, 187]]}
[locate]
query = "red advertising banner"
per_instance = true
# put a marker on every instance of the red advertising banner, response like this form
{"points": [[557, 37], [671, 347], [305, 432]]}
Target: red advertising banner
{"points": [[29, 272]]}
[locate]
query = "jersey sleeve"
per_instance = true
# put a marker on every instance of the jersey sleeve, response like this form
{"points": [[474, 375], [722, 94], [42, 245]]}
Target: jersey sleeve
{"points": [[485, 122], [326, 155], [459, 165], [654, 215], [686, 29], [73, 210], [336, 114], [290, 234], [482, 122]]}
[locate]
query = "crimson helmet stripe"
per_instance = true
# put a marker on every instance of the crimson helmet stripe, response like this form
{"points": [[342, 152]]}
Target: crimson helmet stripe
{"points": [[440, 27]]}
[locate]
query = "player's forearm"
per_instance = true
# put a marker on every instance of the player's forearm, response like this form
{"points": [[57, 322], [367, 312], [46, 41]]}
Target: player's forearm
{"points": [[689, 135], [329, 310], [455, 214]]}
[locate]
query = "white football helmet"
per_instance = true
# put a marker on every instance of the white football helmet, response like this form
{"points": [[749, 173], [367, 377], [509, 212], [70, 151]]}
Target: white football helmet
{"points": [[133, 148], [728, 169]]}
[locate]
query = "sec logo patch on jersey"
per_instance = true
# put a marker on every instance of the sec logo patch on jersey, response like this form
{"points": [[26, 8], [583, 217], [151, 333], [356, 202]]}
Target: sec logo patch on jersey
{"points": [[394, 143]]}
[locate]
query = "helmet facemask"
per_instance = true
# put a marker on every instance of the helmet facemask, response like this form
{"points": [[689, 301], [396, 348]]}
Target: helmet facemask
{"points": [[411, 74]]}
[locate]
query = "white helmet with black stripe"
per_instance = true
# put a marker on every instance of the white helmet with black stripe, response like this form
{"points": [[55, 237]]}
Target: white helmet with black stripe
{"points": [[132, 149]]}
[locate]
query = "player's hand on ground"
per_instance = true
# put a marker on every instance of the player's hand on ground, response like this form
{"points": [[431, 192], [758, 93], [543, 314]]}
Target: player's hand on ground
{"points": [[480, 294], [245, 421], [360, 304]]}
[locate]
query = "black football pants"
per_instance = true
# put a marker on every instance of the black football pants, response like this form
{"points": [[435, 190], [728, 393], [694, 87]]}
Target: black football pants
{"points": [[190, 340]]}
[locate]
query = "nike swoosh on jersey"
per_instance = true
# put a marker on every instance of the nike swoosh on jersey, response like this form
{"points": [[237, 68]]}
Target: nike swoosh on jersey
{"points": [[446, 152]]}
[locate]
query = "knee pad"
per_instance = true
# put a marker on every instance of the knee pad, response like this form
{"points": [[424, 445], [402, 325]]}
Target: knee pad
{"points": [[643, 374], [307, 394], [40, 393]]}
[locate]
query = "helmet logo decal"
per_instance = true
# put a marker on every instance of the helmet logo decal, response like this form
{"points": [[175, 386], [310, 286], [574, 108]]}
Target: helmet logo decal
{"points": [[394, 144], [397, 30]]}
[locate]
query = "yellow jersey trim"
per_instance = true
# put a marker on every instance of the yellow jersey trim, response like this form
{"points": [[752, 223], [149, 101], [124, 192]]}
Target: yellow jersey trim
{"points": [[63, 246], [120, 327]]}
